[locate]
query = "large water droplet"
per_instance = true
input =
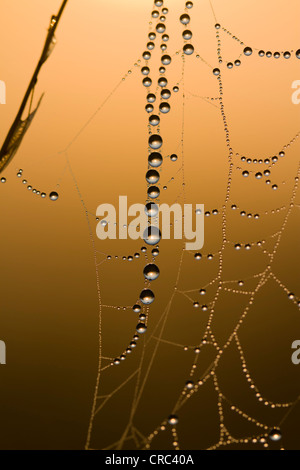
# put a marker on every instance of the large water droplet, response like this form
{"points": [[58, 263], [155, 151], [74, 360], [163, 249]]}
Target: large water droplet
{"points": [[147, 296], [155, 159], [152, 176], [53, 196], [151, 272], [185, 18], [188, 49], [153, 192], [155, 141], [152, 235], [151, 209]]}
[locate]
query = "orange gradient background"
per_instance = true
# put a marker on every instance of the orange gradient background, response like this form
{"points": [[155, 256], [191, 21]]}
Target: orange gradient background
{"points": [[49, 306]]}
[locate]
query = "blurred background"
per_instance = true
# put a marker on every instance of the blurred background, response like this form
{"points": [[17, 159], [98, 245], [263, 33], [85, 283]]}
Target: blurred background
{"points": [[49, 298]]}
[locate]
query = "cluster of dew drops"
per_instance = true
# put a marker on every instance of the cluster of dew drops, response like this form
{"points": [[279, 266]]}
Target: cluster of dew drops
{"points": [[152, 234], [53, 196]]}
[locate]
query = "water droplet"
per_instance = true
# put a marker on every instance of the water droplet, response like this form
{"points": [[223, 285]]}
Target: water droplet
{"points": [[53, 196], [188, 49], [3, 180], [155, 159], [141, 328], [189, 4], [175, 89], [150, 45], [162, 81], [149, 108], [216, 71], [153, 192], [275, 435], [261, 53], [145, 70], [151, 209], [245, 173], [187, 34], [189, 384], [136, 308], [160, 28], [164, 108], [165, 94], [155, 252], [151, 272], [166, 59], [151, 97], [147, 82], [197, 256], [152, 176], [155, 141], [298, 54], [173, 419], [146, 55], [247, 51], [173, 157], [185, 18], [154, 120], [152, 235], [147, 296]]}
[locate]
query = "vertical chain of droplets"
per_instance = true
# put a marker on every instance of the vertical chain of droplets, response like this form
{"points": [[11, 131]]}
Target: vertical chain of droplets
{"points": [[152, 234]]}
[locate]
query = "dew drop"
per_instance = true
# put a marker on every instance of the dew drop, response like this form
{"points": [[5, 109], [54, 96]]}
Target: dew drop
{"points": [[187, 34], [154, 120], [173, 419], [141, 328], [247, 51], [53, 196], [151, 272], [166, 59], [160, 28], [147, 296], [152, 176], [185, 18], [151, 209], [164, 108], [152, 235], [188, 49], [155, 141], [155, 159], [136, 308], [153, 192], [275, 435]]}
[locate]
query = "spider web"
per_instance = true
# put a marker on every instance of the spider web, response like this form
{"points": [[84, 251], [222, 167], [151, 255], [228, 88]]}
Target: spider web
{"points": [[215, 352]]}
